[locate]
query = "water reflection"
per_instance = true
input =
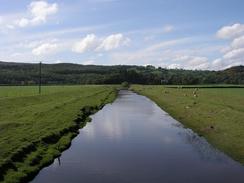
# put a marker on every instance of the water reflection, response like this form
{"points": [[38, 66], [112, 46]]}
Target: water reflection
{"points": [[133, 140]]}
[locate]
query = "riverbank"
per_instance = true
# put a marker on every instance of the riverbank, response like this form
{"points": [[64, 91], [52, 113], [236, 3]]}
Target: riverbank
{"points": [[133, 140], [215, 113], [37, 128]]}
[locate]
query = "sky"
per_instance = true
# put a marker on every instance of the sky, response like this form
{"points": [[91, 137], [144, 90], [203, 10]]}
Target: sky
{"points": [[188, 34]]}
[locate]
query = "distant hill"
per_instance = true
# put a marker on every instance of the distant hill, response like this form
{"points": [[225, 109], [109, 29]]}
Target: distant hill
{"points": [[66, 73]]}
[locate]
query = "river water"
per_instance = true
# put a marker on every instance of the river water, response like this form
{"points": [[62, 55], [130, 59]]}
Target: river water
{"points": [[134, 141]]}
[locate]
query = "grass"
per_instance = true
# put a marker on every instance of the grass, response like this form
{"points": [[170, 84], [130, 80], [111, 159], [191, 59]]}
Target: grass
{"points": [[34, 129], [215, 113]]}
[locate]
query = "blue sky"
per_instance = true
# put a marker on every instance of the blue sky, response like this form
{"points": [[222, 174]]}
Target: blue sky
{"points": [[190, 34]]}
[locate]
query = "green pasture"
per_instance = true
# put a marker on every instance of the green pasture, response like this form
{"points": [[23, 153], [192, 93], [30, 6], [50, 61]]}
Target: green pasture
{"points": [[215, 113], [29, 122]]}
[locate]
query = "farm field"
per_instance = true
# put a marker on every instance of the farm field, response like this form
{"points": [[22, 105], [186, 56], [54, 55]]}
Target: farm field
{"points": [[215, 113], [36, 128]]}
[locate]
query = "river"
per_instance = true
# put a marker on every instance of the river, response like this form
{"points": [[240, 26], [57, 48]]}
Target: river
{"points": [[132, 140]]}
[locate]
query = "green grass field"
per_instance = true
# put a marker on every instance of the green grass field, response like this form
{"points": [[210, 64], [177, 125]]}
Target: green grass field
{"points": [[36, 128], [215, 113]]}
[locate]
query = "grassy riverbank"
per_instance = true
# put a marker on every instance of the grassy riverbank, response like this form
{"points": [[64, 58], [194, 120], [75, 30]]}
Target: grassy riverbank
{"points": [[36, 128], [215, 113]]}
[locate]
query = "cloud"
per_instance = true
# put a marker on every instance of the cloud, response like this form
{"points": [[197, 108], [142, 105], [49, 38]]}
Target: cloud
{"points": [[23, 22], [192, 62], [88, 43], [9, 26], [230, 32], [153, 54], [233, 54], [174, 66], [166, 54], [113, 41], [6, 24], [1, 20], [221, 63], [45, 49], [37, 13], [168, 28], [238, 42], [92, 43], [40, 10]]}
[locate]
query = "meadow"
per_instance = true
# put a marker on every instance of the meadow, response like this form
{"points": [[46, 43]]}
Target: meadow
{"points": [[216, 113], [36, 128]]}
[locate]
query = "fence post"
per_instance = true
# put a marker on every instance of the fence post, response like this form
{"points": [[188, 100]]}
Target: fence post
{"points": [[40, 77]]}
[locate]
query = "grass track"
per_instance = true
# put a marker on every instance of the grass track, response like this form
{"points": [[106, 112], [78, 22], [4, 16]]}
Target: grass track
{"points": [[216, 113]]}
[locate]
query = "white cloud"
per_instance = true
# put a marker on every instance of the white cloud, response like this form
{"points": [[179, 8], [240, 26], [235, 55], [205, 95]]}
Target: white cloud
{"points": [[1, 20], [190, 62], [221, 63], [154, 54], [168, 28], [233, 54], [31, 44], [238, 42], [229, 32], [45, 49], [37, 13], [165, 54], [23, 22], [174, 66], [92, 43], [88, 43], [199, 63], [217, 64], [9, 26], [113, 41], [40, 10]]}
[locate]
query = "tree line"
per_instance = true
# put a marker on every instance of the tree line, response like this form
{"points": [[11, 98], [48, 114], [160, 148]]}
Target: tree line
{"points": [[65, 73]]}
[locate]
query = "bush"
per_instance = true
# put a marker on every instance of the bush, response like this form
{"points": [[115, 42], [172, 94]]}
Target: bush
{"points": [[125, 84]]}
